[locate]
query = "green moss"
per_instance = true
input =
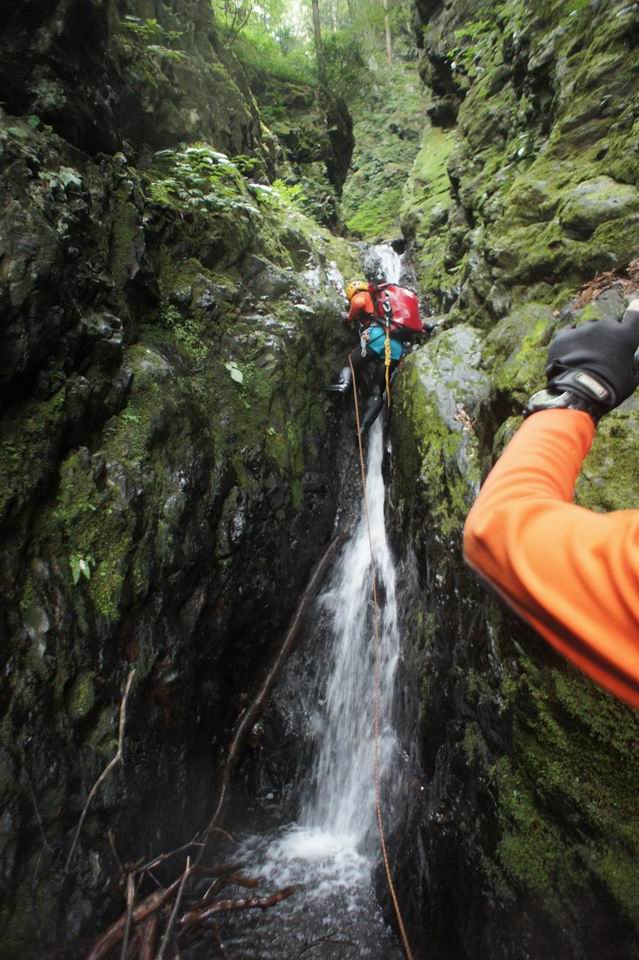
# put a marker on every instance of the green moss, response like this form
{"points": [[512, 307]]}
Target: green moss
{"points": [[435, 454], [427, 192], [29, 444], [517, 349], [573, 750], [81, 697], [608, 477], [377, 216], [103, 736], [530, 849]]}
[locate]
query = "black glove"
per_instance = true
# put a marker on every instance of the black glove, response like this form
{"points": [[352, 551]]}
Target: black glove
{"points": [[592, 367], [430, 328]]}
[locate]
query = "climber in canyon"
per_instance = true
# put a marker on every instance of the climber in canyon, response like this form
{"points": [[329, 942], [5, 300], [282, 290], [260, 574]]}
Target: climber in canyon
{"points": [[570, 572], [386, 313]]}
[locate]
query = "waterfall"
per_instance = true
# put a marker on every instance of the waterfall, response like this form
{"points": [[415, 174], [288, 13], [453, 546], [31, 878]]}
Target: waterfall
{"points": [[342, 799], [384, 264], [333, 848]]}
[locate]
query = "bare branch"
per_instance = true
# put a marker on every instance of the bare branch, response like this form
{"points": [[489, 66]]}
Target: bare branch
{"points": [[107, 770], [147, 942], [169, 926], [167, 856], [226, 906], [130, 900], [328, 939], [144, 909]]}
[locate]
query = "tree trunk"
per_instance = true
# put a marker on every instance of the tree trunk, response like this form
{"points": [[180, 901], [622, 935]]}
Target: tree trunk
{"points": [[387, 30], [319, 48]]}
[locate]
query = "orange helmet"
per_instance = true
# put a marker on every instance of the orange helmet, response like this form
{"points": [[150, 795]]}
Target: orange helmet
{"points": [[355, 286]]}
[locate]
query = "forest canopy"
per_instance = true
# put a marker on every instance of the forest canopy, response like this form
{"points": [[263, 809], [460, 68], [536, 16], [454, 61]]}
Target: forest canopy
{"points": [[335, 42]]}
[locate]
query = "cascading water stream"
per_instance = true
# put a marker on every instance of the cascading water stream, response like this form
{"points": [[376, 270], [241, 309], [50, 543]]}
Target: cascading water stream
{"points": [[342, 799], [334, 847]]}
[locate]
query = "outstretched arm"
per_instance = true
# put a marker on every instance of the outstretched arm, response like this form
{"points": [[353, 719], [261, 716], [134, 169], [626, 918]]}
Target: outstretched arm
{"points": [[571, 573]]}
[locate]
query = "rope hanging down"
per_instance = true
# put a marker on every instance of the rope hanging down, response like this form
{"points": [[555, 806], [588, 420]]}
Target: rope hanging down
{"points": [[378, 691]]}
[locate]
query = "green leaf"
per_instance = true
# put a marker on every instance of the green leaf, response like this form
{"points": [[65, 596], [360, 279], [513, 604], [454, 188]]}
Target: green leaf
{"points": [[68, 175], [33, 121], [76, 570], [18, 132], [234, 370]]}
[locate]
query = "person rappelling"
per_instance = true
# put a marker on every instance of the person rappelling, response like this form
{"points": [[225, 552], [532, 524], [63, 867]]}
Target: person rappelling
{"points": [[388, 318]]}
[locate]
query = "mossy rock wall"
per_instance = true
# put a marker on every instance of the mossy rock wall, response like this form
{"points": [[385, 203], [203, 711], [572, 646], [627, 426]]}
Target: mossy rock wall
{"points": [[525, 188], [167, 482], [121, 75]]}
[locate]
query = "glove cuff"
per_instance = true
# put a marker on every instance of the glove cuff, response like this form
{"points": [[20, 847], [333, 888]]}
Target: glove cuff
{"points": [[574, 390]]}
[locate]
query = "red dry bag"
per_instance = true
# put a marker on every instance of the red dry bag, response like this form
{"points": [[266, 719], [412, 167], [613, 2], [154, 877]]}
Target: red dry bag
{"points": [[399, 305]]}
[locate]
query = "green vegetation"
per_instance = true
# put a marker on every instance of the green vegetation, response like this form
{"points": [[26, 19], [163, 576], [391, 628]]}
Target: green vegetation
{"points": [[384, 149]]}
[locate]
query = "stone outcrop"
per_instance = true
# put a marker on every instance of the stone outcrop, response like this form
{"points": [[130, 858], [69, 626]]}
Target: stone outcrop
{"points": [[525, 188], [168, 454]]}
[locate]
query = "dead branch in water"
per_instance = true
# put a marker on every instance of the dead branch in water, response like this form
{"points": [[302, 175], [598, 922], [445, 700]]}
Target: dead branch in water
{"points": [[107, 770], [194, 917], [329, 939], [147, 941], [130, 900], [144, 909]]}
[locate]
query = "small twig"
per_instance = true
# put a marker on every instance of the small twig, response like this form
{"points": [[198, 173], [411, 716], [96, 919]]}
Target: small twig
{"points": [[169, 926], [107, 770], [114, 851], [130, 900], [167, 856], [328, 939], [36, 807]]}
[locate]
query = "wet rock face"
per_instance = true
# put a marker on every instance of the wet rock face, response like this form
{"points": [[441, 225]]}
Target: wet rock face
{"points": [[145, 73], [166, 476]]}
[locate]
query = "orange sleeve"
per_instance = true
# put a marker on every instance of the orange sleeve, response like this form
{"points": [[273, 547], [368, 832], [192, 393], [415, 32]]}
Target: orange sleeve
{"points": [[361, 303], [571, 573]]}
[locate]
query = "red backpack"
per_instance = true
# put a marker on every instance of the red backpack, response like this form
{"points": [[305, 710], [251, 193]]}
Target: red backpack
{"points": [[398, 306]]}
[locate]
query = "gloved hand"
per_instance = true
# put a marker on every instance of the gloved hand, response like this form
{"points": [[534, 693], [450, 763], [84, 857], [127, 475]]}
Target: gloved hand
{"points": [[430, 328], [592, 367]]}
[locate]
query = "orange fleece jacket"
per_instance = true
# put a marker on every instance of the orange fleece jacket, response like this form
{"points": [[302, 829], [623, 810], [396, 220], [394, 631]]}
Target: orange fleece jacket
{"points": [[571, 573]]}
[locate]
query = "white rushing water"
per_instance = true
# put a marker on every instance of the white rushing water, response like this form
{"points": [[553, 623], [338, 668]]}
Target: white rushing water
{"points": [[389, 263], [334, 848], [342, 799]]}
